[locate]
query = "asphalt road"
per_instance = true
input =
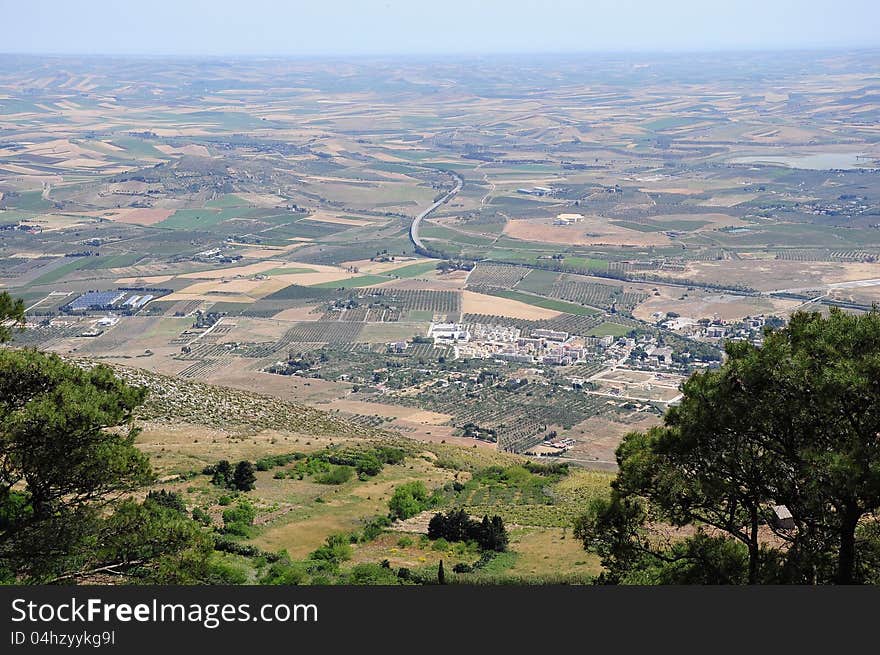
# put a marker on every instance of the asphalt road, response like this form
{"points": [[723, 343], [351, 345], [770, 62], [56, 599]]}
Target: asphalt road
{"points": [[414, 228]]}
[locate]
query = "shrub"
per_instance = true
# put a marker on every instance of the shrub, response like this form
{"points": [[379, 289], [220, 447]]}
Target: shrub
{"points": [[408, 500], [404, 542], [336, 475], [221, 473], [555, 468], [240, 478], [371, 574], [273, 461], [368, 462], [201, 516], [391, 455], [374, 528], [169, 499], [285, 572], [239, 519], [336, 549]]}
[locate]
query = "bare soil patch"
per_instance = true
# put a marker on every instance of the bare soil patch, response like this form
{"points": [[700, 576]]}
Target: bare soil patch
{"points": [[480, 303]]}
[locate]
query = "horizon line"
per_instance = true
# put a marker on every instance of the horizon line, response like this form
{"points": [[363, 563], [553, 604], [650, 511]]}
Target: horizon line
{"points": [[730, 50]]}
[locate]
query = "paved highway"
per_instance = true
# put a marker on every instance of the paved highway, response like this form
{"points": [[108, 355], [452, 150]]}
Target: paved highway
{"points": [[414, 228]]}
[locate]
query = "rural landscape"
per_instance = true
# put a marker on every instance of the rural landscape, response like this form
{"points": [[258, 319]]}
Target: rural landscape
{"points": [[391, 321]]}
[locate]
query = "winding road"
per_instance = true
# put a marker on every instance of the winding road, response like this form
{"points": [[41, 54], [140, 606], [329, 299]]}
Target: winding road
{"points": [[414, 228]]}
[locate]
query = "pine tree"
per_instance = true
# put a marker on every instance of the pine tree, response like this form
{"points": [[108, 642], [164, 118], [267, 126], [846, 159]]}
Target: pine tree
{"points": [[244, 477]]}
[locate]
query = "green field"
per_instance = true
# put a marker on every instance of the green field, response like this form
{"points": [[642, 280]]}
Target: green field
{"points": [[431, 231], [612, 329], [669, 122], [138, 147], [112, 261], [287, 271], [580, 263], [414, 270], [226, 200], [201, 219], [32, 201], [56, 274], [661, 226], [538, 281], [352, 283]]}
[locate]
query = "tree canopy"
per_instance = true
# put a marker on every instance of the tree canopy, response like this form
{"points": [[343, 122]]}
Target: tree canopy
{"points": [[11, 315], [790, 427], [68, 465]]}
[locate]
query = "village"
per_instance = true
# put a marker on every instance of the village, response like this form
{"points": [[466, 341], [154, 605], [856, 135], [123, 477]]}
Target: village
{"points": [[717, 331], [557, 348]]}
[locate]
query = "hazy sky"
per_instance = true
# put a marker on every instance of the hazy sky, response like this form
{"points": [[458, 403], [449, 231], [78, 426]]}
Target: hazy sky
{"points": [[344, 27]]}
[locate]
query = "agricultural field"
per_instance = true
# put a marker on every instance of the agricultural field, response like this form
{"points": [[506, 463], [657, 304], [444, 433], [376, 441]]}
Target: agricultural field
{"points": [[287, 232]]}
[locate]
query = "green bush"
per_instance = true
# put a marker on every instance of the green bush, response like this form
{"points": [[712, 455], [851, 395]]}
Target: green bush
{"points": [[285, 572], [336, 475], [169, 499], [367, 462], [374, 528], [201, 516], [408, 500], [371, 574], [336, 549], [274, 461], [239, 519]]}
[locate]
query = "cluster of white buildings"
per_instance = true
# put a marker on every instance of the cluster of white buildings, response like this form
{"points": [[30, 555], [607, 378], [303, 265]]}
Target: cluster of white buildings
{"points": [[716, 330], [506, 343], [567, 219], [449, 332]]}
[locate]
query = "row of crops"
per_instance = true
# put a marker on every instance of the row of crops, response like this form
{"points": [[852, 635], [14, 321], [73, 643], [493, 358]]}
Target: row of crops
{"points": [[437, 302], [203, 368], [563, 286], [363, 314], [321, 331], [43, 335], [573, 288], [497, 275], [201, 351], [826, 255]]}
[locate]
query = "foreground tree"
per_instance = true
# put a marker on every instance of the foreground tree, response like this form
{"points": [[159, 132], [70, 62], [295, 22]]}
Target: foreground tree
{"points": [[793, 423], [11, 315], [66, 450], [68, 465]]}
